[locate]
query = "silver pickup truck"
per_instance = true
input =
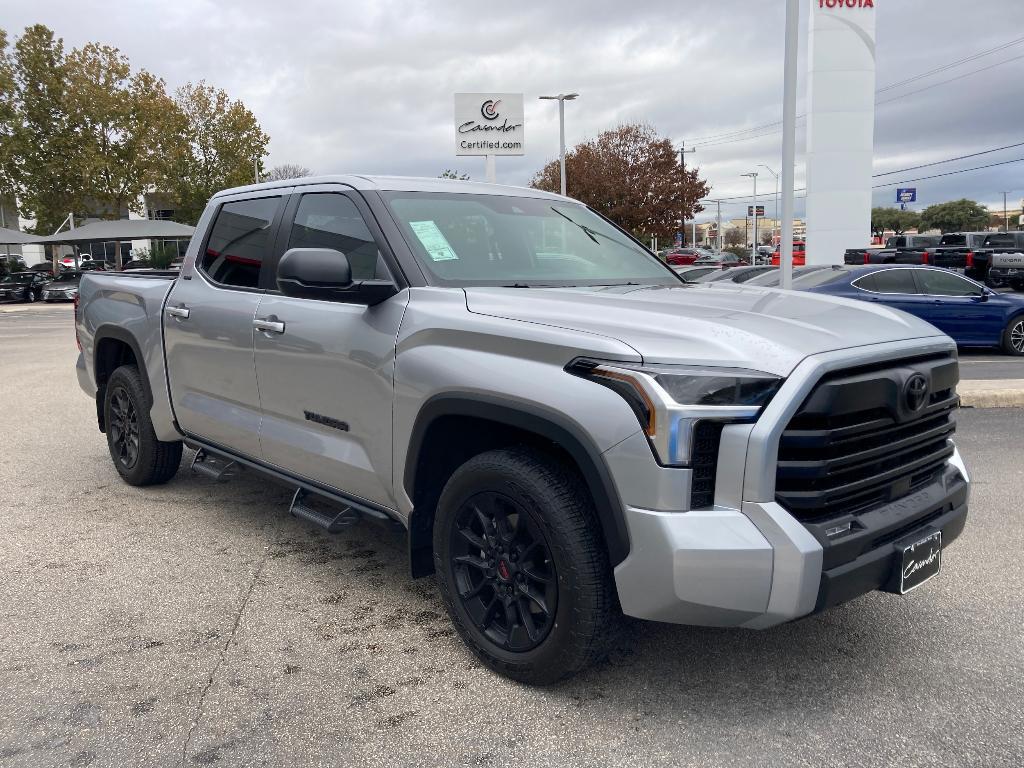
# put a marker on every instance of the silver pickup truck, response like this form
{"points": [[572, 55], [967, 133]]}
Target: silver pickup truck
{"points": [[563, 430]]}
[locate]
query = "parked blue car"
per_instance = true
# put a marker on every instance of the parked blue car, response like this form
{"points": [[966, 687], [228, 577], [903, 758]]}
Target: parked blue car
{"points": [[973, 315]]}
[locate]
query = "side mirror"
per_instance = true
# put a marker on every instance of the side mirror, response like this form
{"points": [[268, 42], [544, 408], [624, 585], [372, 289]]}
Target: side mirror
{"points": [[325, 274]]}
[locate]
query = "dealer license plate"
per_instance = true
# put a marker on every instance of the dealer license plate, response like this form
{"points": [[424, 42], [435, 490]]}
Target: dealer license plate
{"points": [[921, 560]]}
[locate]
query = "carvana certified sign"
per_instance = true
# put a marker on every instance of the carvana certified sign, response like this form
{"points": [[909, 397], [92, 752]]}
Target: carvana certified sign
{"points": [[489, 124]]}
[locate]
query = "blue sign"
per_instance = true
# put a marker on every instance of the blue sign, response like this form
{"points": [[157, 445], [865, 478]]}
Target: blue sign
{"points": [[679, 239], [908, 195]]}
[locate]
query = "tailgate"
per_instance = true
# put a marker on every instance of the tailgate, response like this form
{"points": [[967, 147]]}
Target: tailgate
{"points": [[1011, 260]]}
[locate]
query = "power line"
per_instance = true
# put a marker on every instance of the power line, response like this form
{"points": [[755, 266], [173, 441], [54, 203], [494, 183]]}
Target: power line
{"points": [[952, 64], [737, 136], [950, 160], [746, 198]]}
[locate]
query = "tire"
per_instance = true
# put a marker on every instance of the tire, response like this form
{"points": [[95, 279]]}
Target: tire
{"points": [[29, 296], [138, 456], [1013, 337], [544, 501]]}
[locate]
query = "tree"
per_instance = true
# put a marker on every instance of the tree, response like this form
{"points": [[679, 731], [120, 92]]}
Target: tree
{"points": [[287, 171], [886, 219], [217, 143], [955, 216], [632, 176], [47, 163], [124, 121], [450, 174], [734, 236], [8, 118]]}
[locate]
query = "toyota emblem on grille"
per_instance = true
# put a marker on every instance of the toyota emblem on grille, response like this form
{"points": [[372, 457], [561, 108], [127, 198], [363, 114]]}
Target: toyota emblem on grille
{"points": [[915, 391]]}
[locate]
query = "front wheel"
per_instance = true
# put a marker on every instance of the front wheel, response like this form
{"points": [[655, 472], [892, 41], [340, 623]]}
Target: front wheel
{"points": [[29, 296], [1013, 337], [138, 456], [522, 568]]}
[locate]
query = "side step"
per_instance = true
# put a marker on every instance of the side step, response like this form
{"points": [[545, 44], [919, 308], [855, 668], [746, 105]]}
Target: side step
{"points": [[216, 468], [330, 520]]}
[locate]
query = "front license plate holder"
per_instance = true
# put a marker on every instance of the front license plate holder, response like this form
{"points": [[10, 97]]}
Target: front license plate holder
{"points": [[919, 559]]}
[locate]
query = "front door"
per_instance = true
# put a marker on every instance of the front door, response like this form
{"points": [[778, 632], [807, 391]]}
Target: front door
{"points": [[208, 327], [326, 370]]}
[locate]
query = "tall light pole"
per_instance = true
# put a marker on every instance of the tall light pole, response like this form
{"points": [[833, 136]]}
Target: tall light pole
{"points": [[776, 176], [1006, 215], [561, 98], [753, 251], [683, 152], [789, 140]]}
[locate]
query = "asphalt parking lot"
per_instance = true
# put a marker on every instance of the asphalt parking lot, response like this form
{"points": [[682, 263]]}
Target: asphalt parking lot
{"points": [[197, 624]]}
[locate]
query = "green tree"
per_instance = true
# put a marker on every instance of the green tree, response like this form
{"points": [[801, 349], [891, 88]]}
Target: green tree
{"points": [[631, 175], [8, 118], [215, 144], [955, 216], [123, 120], [48, 163], [893, 219]]}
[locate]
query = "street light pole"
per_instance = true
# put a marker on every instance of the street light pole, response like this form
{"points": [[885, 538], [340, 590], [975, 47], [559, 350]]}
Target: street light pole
{"points": [[776, 176], [1006, 215], [683, 152], [753, 250], [561, 98], [789, 140]]}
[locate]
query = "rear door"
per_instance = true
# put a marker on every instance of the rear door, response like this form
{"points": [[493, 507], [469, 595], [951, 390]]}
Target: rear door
{"points": [[893, 288], [208, 325], [326, 377]]}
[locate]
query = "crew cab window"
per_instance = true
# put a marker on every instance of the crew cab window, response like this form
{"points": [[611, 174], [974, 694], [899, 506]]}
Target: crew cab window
{"points": [[239, 242], [1000, 241], [936, 282], [328, 220]]}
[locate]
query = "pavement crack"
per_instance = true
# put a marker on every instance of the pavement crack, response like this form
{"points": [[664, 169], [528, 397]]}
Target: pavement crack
{"points": [[197, 716]]}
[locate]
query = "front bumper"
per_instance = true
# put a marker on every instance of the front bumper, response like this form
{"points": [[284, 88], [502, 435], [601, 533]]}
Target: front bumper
{"points": [[750, 563]]}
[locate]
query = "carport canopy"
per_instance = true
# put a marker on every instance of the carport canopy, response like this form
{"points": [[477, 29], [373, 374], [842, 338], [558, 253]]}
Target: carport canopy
{"points": [[15, 237], [119, 230]]}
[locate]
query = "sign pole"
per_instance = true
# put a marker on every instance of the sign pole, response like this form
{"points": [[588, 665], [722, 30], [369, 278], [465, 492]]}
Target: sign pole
{"points": [[789, 140], [490, 172]]}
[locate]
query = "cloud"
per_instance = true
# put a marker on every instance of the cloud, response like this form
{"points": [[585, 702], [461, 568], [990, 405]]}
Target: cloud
{"points": [[367, 86]]}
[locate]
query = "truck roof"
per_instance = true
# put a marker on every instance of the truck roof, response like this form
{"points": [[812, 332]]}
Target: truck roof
{"points": [[399, 184]]}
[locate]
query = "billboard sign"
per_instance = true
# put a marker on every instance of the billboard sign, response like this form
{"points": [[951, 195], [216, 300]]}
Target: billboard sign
{"points": [[907, 195], [489, 124], [750, 210]]}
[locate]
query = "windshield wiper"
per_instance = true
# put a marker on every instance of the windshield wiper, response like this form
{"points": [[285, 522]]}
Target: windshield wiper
{"points": [[589, 232]]}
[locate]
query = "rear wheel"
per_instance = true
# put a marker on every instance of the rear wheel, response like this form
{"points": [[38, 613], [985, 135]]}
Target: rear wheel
{"points": [[522, 569], [138, 456], [1013, 337], [29, 296]]}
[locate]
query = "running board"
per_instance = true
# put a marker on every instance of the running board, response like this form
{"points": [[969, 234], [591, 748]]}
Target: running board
{"points": [[330, 520], [214, 467]]}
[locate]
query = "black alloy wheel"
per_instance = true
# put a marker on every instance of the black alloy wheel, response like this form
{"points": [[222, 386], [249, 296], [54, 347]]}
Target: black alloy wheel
{"points": [[124, 427], [29, 296], [503, 571]]}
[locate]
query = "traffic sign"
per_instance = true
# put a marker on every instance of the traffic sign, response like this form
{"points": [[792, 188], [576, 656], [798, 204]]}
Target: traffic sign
{"points": [[906, 195], [750, 210]]}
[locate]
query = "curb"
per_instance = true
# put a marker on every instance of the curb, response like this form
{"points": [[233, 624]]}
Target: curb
{"points": [[997, 393]]}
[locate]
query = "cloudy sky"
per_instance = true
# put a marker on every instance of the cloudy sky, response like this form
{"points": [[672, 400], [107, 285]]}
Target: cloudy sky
{"points": [[367, 86]]}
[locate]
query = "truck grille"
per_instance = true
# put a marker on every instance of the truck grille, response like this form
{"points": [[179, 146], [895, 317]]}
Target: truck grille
{"points": [[857, 443]]}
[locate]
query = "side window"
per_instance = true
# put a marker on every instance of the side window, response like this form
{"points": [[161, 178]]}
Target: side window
{"points": [[330, 220], [895, 281], [936, 282], [239, 242]]}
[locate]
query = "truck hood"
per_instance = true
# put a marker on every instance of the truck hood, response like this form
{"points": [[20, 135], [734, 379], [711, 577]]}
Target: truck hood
{"points": [[768, 329]]}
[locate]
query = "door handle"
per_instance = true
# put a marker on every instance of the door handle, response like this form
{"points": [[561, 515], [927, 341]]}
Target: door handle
{"points": [[268, 326], [179, 312]]}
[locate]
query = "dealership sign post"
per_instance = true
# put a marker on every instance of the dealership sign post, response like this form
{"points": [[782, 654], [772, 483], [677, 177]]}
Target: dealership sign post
{"points": [[489, 124], [840, 126], [906, 195]]}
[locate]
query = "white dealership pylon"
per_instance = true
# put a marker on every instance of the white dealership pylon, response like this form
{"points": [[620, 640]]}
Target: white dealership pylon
{"points": [[840, 127]]}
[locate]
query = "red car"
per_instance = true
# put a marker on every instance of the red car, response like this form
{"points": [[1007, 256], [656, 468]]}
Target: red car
{"points": [[799, 254], [683, 257]]}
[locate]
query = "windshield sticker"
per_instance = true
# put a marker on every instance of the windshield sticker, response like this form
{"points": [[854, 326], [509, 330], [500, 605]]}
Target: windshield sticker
{"points": [[434, 242]]}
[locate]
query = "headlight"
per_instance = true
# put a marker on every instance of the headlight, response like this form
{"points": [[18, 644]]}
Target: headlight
{"points": [[671, 400]]}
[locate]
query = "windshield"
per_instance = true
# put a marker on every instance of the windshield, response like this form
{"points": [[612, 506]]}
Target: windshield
{"points": [[66, 277], [17, 277], [523, 242]]}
